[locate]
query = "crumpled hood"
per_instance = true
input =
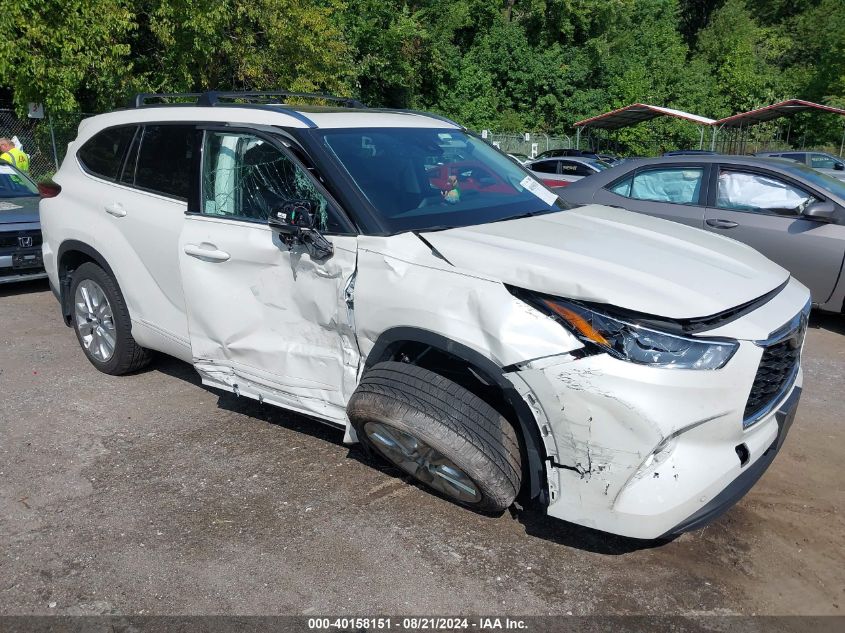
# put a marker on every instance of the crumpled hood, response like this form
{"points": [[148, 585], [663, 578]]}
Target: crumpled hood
{"points": [[608, 255], [19, 210]]}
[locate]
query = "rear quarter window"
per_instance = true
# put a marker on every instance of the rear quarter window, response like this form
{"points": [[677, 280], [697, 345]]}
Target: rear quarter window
{"points": [[165, 159], [102, 154]]}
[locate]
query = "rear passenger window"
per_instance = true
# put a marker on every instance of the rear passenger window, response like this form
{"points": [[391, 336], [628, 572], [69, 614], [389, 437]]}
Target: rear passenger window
{"points": [[102, 154], [677, 185], [165, 158], [545, 167]]}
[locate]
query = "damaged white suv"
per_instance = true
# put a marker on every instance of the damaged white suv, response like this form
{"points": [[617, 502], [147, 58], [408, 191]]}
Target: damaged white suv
{"points": [[394, 276]]}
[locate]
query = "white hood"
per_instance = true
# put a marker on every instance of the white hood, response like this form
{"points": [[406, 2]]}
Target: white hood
{"points": [[608, 255]]}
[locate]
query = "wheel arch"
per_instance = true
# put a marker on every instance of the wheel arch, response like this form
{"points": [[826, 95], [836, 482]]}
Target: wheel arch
{"points": [[71, 255], [392, 344]]}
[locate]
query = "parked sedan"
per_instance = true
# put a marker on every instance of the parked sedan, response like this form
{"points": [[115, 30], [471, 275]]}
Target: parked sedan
{"points": [[792, 214], [820, 161], [20, 229], [610, 159], [560, 172]]}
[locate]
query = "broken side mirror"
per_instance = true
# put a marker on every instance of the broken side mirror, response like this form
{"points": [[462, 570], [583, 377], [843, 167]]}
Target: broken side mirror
{"points": [[824, 211], [294, 222]]}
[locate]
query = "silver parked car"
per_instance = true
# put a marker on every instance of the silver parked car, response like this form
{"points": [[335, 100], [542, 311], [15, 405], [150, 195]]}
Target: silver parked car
{"points": [[561, 171], [792, 214], [820, 161]]}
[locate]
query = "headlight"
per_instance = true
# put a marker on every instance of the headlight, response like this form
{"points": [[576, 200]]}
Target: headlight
{"points": [[640, 344]]}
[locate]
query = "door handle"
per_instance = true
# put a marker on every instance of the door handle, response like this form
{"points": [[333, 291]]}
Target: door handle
{"points": [[116, 209], [721, 224], [210, 254]]}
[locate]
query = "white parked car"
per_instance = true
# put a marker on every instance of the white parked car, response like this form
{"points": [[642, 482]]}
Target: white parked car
{"points": [[628, 373]]}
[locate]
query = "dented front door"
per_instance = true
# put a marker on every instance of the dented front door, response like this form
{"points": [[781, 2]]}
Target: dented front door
{"points": [[266, 321]]}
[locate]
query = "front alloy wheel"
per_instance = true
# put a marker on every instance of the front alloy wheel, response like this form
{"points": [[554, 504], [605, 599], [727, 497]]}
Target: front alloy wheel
{"points": [[441, 434], [422, 462]]}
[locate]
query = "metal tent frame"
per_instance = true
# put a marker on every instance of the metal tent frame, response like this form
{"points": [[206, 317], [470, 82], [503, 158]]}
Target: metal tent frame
{"points": [[742, 121], [638, 113]]}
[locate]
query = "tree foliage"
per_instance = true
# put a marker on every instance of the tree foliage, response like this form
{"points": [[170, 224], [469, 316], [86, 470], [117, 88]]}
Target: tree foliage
{"points": [[503, 64]]}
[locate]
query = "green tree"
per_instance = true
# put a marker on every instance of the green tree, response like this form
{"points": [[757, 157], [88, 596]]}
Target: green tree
{"points": [[189, 45], [743, 56], [66, 54]]}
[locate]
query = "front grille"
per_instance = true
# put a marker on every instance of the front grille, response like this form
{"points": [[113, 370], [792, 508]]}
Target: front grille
{"points": [[777, 371], [10, 239]]}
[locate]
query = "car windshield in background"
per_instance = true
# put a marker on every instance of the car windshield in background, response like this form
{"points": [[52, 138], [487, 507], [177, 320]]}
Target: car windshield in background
{"points": [[429, 179], [823, 181], [598, 164], [14, 185]]}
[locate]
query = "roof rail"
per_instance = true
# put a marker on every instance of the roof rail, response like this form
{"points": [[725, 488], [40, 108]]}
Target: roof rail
{"points": [[140, 100], [433, 115], [213, 97]]}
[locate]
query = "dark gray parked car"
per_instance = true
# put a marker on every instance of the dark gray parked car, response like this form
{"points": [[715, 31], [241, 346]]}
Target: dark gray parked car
{"points": [[825, 163], [792, 214], [20, 228]]}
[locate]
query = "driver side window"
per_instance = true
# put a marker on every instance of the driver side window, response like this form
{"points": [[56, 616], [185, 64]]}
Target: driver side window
{"points": [[245, 177], [759, 193]]}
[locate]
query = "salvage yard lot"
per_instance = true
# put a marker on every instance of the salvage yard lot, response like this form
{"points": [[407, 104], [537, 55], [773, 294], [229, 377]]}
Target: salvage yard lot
{"points": [[152, 494]]}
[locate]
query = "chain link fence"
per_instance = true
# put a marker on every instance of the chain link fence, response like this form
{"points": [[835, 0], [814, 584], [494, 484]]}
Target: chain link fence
{"points": [[44, 140], [537, 143]]}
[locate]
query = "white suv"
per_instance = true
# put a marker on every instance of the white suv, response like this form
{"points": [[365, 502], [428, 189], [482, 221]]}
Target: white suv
{"points": [[390, 274]]}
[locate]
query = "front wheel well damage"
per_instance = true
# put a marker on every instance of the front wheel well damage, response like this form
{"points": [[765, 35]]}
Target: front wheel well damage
{"points": [[481, 377]]}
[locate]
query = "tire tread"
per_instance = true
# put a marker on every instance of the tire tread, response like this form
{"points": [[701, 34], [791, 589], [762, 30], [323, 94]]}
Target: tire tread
{"points": [[467, 416]]}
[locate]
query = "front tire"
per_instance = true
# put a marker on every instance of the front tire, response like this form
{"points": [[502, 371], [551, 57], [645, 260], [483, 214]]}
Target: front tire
{"points": [[101, 321], [439, 433]]}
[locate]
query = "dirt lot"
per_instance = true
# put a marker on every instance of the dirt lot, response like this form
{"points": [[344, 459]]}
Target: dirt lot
{"points": [[152, 494]]}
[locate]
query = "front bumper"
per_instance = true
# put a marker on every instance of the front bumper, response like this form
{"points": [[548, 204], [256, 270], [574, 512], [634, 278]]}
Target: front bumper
{"points": [[21, 265], [740, 486], [645, 452]]}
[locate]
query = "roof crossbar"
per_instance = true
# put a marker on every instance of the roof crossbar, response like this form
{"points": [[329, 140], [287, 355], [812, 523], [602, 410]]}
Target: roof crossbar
{"points": [[215, 97]]}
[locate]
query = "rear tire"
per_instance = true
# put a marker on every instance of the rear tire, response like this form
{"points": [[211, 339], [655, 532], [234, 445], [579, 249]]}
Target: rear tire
{"points": [[101, 321], [439, 433]]}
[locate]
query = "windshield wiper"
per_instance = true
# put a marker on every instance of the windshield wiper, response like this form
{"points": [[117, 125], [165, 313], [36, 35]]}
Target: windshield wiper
{"points": [[529, 214], [439, 227]]}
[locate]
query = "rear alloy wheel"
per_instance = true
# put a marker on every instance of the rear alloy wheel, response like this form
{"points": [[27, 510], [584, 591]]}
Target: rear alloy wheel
{"points": [[439, 433], [94, 320], [102, 324]]}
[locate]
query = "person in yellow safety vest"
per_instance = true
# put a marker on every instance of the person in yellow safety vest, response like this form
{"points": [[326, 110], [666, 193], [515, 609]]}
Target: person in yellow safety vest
{"points": [[13, 155]]}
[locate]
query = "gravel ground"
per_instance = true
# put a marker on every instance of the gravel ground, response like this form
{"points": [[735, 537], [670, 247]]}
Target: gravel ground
{"points": [[150, 494]]}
